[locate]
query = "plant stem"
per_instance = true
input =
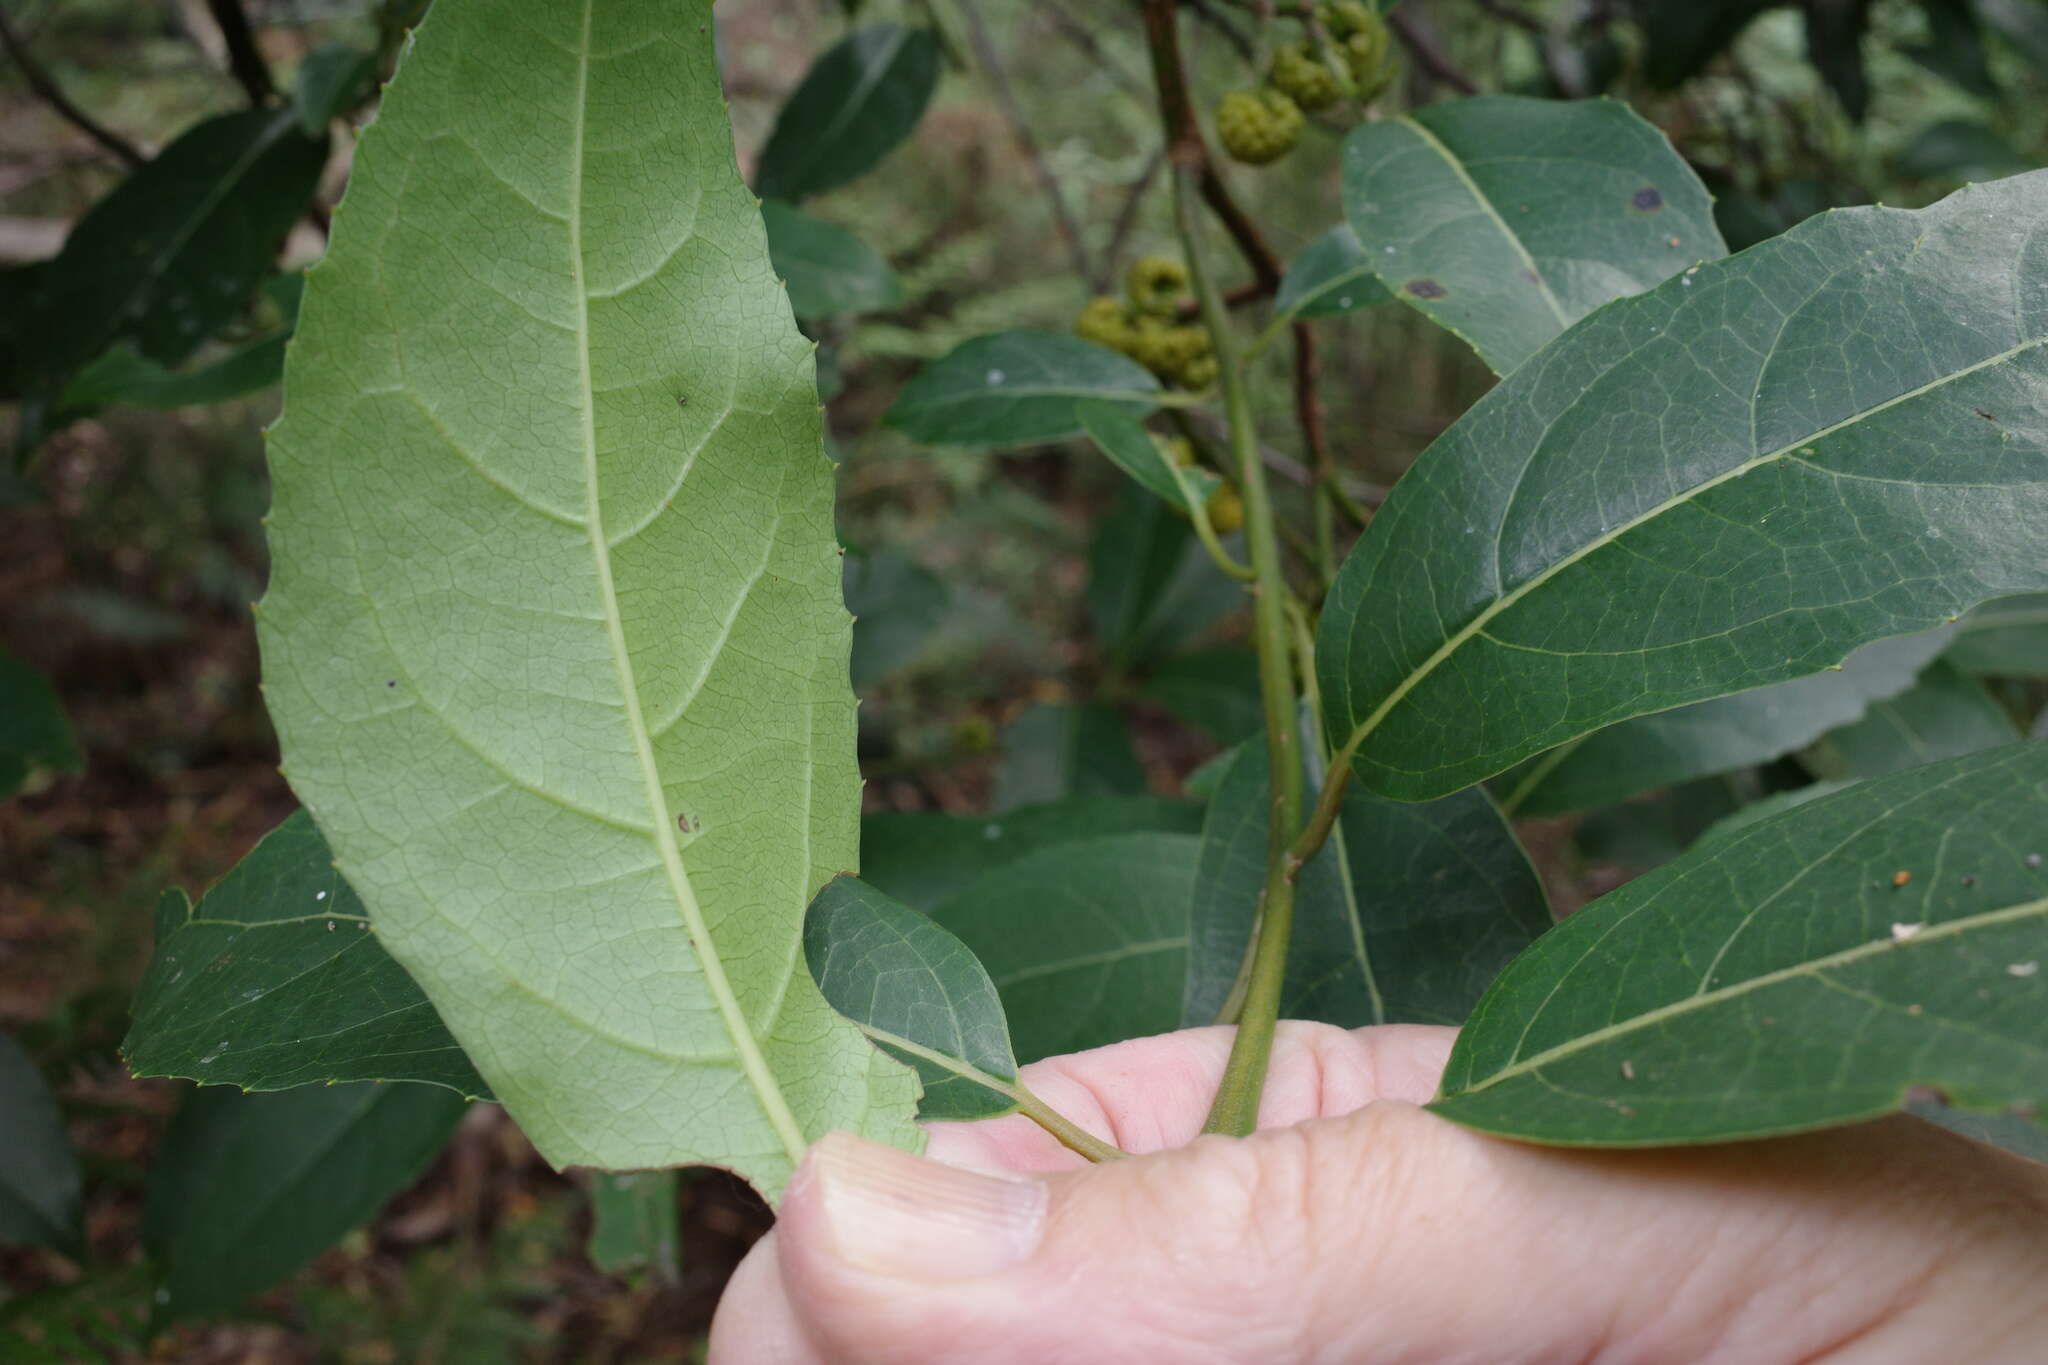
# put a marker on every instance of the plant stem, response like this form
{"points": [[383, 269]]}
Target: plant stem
{"points": [[1070, 1134]]}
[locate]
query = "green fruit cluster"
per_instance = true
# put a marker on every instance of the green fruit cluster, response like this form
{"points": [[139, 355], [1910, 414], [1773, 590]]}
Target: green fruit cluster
{"points": [[1258, 126], [1310, 83], [1145, 325], [1363, 44]]}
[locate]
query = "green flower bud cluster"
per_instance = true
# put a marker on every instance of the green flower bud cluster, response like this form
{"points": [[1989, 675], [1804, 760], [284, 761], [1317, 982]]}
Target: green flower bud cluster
{"points": [[1145, 325], [1258, 126]]}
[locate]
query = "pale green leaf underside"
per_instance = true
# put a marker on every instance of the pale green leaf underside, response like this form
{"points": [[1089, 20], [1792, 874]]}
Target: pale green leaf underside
{"points": [[554, 640], [1786, 976], [1838, 436]]}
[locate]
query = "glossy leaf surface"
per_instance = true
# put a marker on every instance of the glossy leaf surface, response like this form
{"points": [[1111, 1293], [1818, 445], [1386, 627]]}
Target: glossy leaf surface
{"points": [[925, 858], [1404, 917], [916, 991], [1710, 737], [1086, 942], [554, 639], [829, 271], [40, 1200], [1507, 219], [1017, 388], [275, 979], [247, 1188], [1734, 480], [1809, 969], [851, 109]]}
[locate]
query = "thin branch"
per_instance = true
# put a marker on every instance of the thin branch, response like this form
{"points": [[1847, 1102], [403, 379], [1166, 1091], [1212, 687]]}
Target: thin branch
{"points": [[1127, 217], [1082, 36], [1048, 183], [49, 92], [1428, 54], [250, 71]]}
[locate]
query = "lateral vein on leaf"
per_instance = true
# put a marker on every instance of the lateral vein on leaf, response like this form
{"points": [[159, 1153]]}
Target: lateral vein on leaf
{"points": [[1816, 969], [1477, 625], [773, 1104]]}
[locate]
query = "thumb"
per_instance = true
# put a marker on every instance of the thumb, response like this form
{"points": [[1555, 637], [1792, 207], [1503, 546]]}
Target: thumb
{"points": [[1386, 1235]]}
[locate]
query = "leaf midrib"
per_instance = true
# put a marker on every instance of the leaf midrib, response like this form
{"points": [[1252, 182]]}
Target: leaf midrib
{"points": [[747, 1049], [1706, 999], [1509, 599], [1435, 144]]}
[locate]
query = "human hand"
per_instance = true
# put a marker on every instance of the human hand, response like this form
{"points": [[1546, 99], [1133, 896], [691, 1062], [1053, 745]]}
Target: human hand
{"points": [[1357, 1227]]}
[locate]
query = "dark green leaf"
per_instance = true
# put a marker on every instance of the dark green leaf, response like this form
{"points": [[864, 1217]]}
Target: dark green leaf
{"points": [[33, 731], [829, 271], [924, 858], [40, 1202], [852, 107], [1944, 715], [175, 251], [1731, 481], [1017, 388], [1834, 44], [895, 604], [2007, 638], [1651, 831], [247, 1188], [1711, 737], [333, 79], [1404, 917], [1959, 149], [916, 991], [1508, 219], [1120, 434], [1814, 968], [635, 1223], [1056, 749], [1214, 690], [275, 979], [124, 377], [1768, 806], [1151, 588], [1330, 276], [1682, 37], [1086, 942]]}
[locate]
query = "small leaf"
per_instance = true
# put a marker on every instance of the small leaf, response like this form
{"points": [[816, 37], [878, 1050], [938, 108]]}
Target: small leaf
{"points": [[33, 731], [896, 604], [1508, 219], [829, 271], [554, 639], [1121, 435], [1944, 715], [2007, 638], [1710, 737], [1404, 916], [1087, 942], [1329, 277], [173, 254], [334, 78], [1054, 750], [1017, 388], [1814, 968], [1708, 488], [247, 1188], [918, 993], [275, 980], [924, 858], [40, 1200], [635, 1223], [851, 109], [1214, 690]]}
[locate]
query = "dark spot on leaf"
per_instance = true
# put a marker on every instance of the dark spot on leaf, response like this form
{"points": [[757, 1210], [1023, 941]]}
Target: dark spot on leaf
{"points": [[1647, 199], [1426, 289], [1985, 415], [1531, 276], [392, 683]]}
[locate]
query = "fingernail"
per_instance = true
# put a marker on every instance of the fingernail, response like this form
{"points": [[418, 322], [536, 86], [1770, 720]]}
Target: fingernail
{"points": [[891, 1213]]}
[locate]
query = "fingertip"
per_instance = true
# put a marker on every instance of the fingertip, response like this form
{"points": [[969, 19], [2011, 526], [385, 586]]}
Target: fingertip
{"points": [[756, 1324]]}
